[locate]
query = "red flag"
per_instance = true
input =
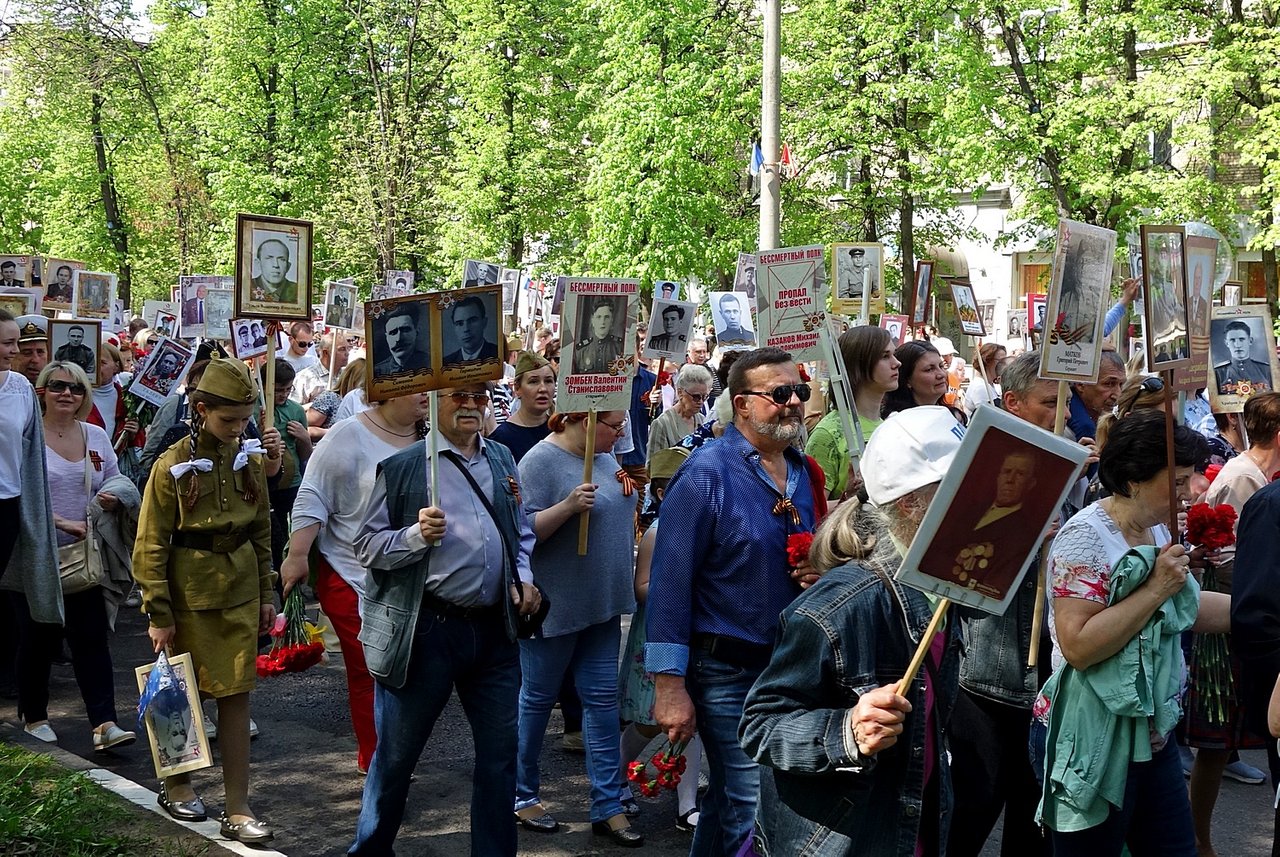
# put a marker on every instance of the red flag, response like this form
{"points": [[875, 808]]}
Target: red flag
{"points": [[788, 164]]}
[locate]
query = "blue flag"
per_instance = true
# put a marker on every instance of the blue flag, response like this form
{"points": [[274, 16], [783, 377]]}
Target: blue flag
{"points": [[757, 159]]}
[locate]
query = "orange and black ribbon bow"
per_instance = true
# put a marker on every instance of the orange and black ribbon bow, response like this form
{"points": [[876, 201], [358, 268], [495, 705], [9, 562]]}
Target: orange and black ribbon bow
{"points": [[514, 487], [628, 484], [784, 506]]}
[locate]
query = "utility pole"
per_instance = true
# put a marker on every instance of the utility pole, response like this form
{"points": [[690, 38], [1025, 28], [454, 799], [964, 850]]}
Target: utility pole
{"points": [[771, 79]]}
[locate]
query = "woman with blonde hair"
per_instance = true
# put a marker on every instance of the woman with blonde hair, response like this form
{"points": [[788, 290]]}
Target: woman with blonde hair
{"points": [[535, 394], [1139, 393]]}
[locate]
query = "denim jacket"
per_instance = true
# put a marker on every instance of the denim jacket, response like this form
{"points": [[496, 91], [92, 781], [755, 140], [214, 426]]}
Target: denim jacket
{"points": [[848, 634], [995, 648]]}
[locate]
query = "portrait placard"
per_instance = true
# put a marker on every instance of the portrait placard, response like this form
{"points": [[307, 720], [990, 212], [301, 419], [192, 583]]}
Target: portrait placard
{"points": [[967, 311], [1016, 323], [76, 340], [991, 511], [15, 272], [557, 297], [1036, 306], [470, 325], [164, 370], [398, 341], [670, 328], [166, 324], [273, 268], [249, 338], [896, 325], [744, 276], [667, 290], [511, 278], [732, 317], [92, 293], [478, 273], [857, 270], [1242, 348], [792, 300], [600, 339], [340, 301], [1164, 289], [1202, 260], [219, 306], [987, 312], [21, 301], [178, 740], [59, 283], [193, 296], [395, 284], [1083, 262], [917, 308]]}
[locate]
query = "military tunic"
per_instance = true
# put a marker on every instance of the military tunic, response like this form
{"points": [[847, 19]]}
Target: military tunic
{"points": [[211, 597], [593, 356]]}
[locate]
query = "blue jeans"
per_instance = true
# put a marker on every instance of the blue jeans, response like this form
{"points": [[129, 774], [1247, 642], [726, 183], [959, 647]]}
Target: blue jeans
{"points": [[475, 657], [592, 655], [1155, 820], [718, 691]]}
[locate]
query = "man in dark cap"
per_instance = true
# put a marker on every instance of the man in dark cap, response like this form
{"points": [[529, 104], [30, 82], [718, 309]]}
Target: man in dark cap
{"points": [[33, 346]]}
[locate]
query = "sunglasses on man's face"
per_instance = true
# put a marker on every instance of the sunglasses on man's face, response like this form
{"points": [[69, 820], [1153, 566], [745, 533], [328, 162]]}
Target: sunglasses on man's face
{"points": [[64, 386], [782, 394]]}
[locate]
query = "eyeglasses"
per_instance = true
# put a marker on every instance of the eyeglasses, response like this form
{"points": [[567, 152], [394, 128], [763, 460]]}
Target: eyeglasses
{"points": [[481, 399], [783, 393], [1151, 384], [64, 386], [699, 398], [616, 429]]}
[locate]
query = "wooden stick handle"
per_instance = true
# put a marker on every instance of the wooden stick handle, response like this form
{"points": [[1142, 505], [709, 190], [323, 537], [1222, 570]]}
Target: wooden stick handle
{"points": [[1170, 458], [1037, 618], [584, 518], [1060, 415], [922, 650], [269, 394], [433, 417]]}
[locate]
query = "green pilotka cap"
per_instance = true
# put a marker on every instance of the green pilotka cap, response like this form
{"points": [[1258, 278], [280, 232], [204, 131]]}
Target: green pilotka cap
{"points": [[230, 380]]}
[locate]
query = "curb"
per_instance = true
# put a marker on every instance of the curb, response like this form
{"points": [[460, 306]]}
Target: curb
{"points": [[134, 793]]}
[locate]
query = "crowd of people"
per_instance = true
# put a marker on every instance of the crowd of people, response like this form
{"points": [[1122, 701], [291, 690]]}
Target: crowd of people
{"points": [[775, 673]]}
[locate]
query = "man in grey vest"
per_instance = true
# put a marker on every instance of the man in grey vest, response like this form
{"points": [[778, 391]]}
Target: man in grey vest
{"points": [[440, 612]]}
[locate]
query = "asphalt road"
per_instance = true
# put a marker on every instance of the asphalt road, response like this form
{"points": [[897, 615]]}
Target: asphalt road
{"points": [[304, 779]]}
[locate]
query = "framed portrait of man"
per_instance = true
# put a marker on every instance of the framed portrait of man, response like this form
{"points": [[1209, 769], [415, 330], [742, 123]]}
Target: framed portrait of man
{"points": [[1079, 289], [166, 324], [469, 322], [76, 340], [164, 370], [991, 511], [15, 272], [1016, 323], [248, 338], [340, 302], [1037, 303], [398, 341], [856, 272], [219, 306], [510, 288], [744, 276], [395, 284], [667, 290], [193, 293], [967, 311], [273, 268], [478, 273], [670, 329], [92, 293], [731, 314], [918, 306], [896, 325], [1242, 356], [1164, 289], [599, 329], [59, 283], [176, 733]]}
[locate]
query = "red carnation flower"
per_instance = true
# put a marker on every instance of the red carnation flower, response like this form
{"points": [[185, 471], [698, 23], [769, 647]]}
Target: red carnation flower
{"points": [[1211, 527], [798, 545]]}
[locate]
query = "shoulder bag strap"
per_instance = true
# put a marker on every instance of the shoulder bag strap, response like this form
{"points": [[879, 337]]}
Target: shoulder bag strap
{"points": [[506, 546], [88, 491]]}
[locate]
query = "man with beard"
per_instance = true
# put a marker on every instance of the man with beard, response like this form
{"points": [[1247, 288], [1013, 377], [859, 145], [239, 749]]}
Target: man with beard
{"points": [[400, 351], [720, 578], [33, 346]]}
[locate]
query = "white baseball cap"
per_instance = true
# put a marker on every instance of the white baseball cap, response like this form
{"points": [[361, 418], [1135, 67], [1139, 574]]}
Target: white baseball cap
{"points": [[944, 345], [909, 450]]}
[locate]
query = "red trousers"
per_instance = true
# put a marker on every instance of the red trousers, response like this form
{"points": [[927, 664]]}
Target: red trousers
{"points": [[341, 604]]}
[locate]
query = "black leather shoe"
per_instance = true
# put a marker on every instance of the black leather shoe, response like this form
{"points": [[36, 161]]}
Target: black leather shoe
{"points": [[626, 837], [251, 832], [630, 808], [538, 823], [188, 810]]}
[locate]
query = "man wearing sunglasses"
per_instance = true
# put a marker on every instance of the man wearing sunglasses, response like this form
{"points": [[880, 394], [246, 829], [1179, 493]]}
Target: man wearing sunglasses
{"points": [[439, 614], [720, 578]]}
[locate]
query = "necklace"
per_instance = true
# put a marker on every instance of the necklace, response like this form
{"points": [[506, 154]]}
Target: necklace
{"points": [[386, 429], [54, 429]]}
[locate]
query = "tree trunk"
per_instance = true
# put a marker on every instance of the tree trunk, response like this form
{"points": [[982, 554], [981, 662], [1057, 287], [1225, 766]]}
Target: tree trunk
{"points": [[116, 232]]}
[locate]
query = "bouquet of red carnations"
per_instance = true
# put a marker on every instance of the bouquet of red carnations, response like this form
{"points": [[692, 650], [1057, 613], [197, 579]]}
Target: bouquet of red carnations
{"points": [[798, 545], [295, 643], [1213, 687], [1211, 527], [668, 761]]}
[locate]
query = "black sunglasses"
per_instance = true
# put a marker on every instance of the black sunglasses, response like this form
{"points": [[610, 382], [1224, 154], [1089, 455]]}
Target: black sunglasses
{"points": [[782, 394], [1151, 384], [64, 386]]}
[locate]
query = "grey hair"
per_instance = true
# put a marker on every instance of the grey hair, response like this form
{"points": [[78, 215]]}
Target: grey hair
{"points": [[692, 373], [857, 532], [1021, 374]]}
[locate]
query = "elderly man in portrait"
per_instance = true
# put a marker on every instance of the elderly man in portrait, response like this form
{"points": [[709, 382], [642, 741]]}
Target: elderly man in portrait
{"points": [[9, 275], [733, 332], [33, 346], [470, 323], [400, 343], [1241, 370], [720, 579], [672, 338], [447, 567], [77, 352], [601, 346], [272, 283]]}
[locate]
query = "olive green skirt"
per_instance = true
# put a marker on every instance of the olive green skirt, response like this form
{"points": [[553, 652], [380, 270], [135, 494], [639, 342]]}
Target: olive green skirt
{"points": [[223, 646]]}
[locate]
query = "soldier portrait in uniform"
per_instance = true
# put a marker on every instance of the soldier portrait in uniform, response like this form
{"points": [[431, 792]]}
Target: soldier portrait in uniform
{"points": [[166, 324], [13, 271], [744, 278], [601, 327], [273, 268], [669, 330], [161, 374], [1240, 364], [731, 312], [93, 292], [244, 344], [339, 306], [77, 342], [666, 290]]}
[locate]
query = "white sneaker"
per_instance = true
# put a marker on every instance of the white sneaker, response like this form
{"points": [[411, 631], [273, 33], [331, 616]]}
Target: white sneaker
{"points": [[253, 729], [210, 729], [113, 737], [44, 732]]}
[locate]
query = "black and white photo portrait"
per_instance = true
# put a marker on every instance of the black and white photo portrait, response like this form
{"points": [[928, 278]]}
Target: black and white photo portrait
{"points": [[76, 341], [1238, 349], [731, 314], [601, 328], [476, 273], [400, 340], [669, 330], [58, 282], [919, 309], [93, 291], [395, 284], [247, 338], [166, 324], [14, 271], [510, 283], [666, 290], [744, 277], [470, 330], [857, 266], [339, 306], [1165, 297], [273, 268]]}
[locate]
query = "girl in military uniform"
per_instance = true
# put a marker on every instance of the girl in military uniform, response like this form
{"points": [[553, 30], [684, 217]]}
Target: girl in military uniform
{"points": [[203, 563]]}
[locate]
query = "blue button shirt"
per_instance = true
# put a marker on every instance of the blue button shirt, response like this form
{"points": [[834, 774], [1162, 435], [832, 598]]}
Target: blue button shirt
{"points": [[720, 563], [639, 418]]}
